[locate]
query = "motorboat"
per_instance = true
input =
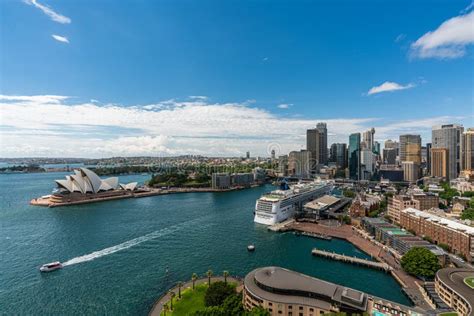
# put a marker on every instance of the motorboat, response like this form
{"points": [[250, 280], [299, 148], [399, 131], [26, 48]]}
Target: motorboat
{"points": [[48, 267], [251, 248]]}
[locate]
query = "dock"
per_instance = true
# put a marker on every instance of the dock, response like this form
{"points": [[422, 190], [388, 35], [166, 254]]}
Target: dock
{"points": [[315, 235], [282, 227], [354, 260]]}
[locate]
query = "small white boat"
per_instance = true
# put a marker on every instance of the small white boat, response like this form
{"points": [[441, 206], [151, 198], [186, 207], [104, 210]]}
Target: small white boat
{"points": [[48, 267], [250, 247]]}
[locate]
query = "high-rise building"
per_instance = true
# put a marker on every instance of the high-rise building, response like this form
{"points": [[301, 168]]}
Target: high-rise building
{"points": [[273, 153], [376, 148], [316, 144], [391, 144], [467, 152], [354, 156], [389, 156], [248, 154], [337, 154], [299, 163], [449, 136], [367, 161], [440, 162], [282, 165], [411, 171], [410, 148], [368, 139], [428, 158]]}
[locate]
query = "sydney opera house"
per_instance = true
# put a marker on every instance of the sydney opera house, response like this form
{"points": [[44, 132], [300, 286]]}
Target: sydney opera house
{"points": [[86, 181], [85, 186]]}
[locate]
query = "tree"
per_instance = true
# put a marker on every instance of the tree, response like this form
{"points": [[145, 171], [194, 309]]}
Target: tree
{"points": [[259, 311], [172, 295], [217, 292], [225, 274], [349, 194], [180, 284], [209, 275], [468, 214], [194, 277], [420, 262], [166, 309], [233, 304]]}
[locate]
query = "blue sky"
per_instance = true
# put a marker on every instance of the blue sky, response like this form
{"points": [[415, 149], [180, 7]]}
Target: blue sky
{"points": [[282, 64]]}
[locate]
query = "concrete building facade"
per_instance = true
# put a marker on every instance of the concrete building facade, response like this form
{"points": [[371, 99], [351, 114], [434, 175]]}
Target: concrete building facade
{"points": [[449, 136]]}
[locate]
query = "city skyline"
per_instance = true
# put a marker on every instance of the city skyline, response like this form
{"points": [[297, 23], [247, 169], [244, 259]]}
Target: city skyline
{"points": [[67, 100]]}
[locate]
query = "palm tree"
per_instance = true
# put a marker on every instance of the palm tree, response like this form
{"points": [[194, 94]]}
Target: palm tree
{"points": [[194, 278], [225, 274], [209, 274], [180, 284], [172, 295], [166, 308]]}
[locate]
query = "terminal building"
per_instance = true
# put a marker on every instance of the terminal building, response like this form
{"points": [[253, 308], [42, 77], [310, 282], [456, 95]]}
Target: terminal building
{"points": [[284, 292]]}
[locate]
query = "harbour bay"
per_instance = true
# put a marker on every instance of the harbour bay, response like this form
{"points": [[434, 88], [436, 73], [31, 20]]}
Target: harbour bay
{"points": [[122, 255]]}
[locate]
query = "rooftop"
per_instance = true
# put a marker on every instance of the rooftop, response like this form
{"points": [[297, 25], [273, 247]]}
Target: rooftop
{"points": [[441, 220]]}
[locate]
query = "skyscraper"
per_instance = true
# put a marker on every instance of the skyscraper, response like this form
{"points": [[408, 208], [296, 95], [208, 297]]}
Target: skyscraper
{"points": [[467, 152], [354, 156], [337, 154], [428, 158], [449, 136], [389, 156], [410, 156], [410, 148], [316, 144], [439, 162], [368, 139], [323, 143]]}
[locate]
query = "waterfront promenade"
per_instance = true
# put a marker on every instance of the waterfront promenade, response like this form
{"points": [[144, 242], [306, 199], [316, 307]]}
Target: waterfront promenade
{"points": [[165, 298], [412, 287]]}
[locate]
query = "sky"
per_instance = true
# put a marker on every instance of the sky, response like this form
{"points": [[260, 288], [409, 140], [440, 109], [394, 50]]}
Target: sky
{"points": [[219, 78]]}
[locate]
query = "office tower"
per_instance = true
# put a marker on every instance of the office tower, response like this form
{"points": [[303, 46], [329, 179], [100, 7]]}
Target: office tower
{"points": [[391, 144], [410, 148], [428, 158], [354, 156], [367, 161], [376, 149], [338, 155], [449, 136], [323, 143], [467, 152], [248, 154], [273, 153], [299, 163], [411, 171], [439, 162], [282, 165], [389, 156], [316, 144], [368, 139]]}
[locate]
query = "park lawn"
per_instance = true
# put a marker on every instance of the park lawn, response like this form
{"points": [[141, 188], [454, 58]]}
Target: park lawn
{"points": [[469, 282], [449, 314], [191, 301]]}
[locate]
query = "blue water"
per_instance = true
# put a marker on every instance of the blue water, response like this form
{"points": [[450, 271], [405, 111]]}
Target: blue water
{"points": [[117, 252]]}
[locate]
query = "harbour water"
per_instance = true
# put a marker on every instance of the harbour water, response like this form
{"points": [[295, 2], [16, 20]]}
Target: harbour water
{"points": [[121, 255]]}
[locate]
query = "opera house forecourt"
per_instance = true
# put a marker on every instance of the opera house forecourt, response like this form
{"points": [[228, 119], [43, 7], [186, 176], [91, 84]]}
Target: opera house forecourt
{"points": [[85, 186], [285, 292]]}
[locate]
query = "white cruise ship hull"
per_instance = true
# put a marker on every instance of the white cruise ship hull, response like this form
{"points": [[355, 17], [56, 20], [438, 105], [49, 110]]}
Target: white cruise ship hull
{"points": [[269, 212]]}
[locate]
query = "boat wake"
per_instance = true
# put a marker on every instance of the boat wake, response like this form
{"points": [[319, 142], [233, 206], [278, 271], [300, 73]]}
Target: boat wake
{"points": [[130, 243]]}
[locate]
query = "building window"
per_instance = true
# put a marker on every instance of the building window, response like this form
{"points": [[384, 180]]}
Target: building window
{"points": [[301, 308]]}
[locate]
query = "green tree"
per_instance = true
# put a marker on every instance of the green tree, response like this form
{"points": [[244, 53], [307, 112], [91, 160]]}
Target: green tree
{"points": [[349, 193], [180, 284], [233, 304], [259, 311], [209, 275], [468, 214], [172, 295], [194, 277], [420, 262], [166, 309], [225, 274], [217, 293]]}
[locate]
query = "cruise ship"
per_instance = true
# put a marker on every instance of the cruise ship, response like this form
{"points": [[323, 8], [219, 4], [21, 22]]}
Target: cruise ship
{"points": [[279, 205]]}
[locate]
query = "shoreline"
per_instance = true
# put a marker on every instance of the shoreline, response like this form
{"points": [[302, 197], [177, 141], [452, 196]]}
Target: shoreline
{"points": [[409, 284], [56, 200]]}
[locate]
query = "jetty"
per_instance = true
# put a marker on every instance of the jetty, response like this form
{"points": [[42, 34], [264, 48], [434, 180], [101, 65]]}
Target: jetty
{"points": [[283, 226], [315, 235], [354, 260]]}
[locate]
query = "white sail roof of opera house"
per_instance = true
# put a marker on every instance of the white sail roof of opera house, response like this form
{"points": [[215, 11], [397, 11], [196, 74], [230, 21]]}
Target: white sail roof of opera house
{"points": [[86, 181]]}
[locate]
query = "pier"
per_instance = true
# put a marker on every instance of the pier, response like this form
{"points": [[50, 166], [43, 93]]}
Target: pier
{"points": [[354, 260]]}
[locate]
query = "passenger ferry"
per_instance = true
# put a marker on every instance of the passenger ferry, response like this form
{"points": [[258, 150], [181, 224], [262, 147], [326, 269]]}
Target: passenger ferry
{"points": [[279, 205]]}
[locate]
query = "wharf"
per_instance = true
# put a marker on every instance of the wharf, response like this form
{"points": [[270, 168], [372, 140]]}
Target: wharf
{"points": [[283, 226], [367, 263]]}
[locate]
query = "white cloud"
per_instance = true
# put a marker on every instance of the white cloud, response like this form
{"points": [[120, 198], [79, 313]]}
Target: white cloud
{"points": [[198, 97], [400, 38], [49, 12], [389, 86], [284, 105], [59, 38], [48, 126], [448, 41]]}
